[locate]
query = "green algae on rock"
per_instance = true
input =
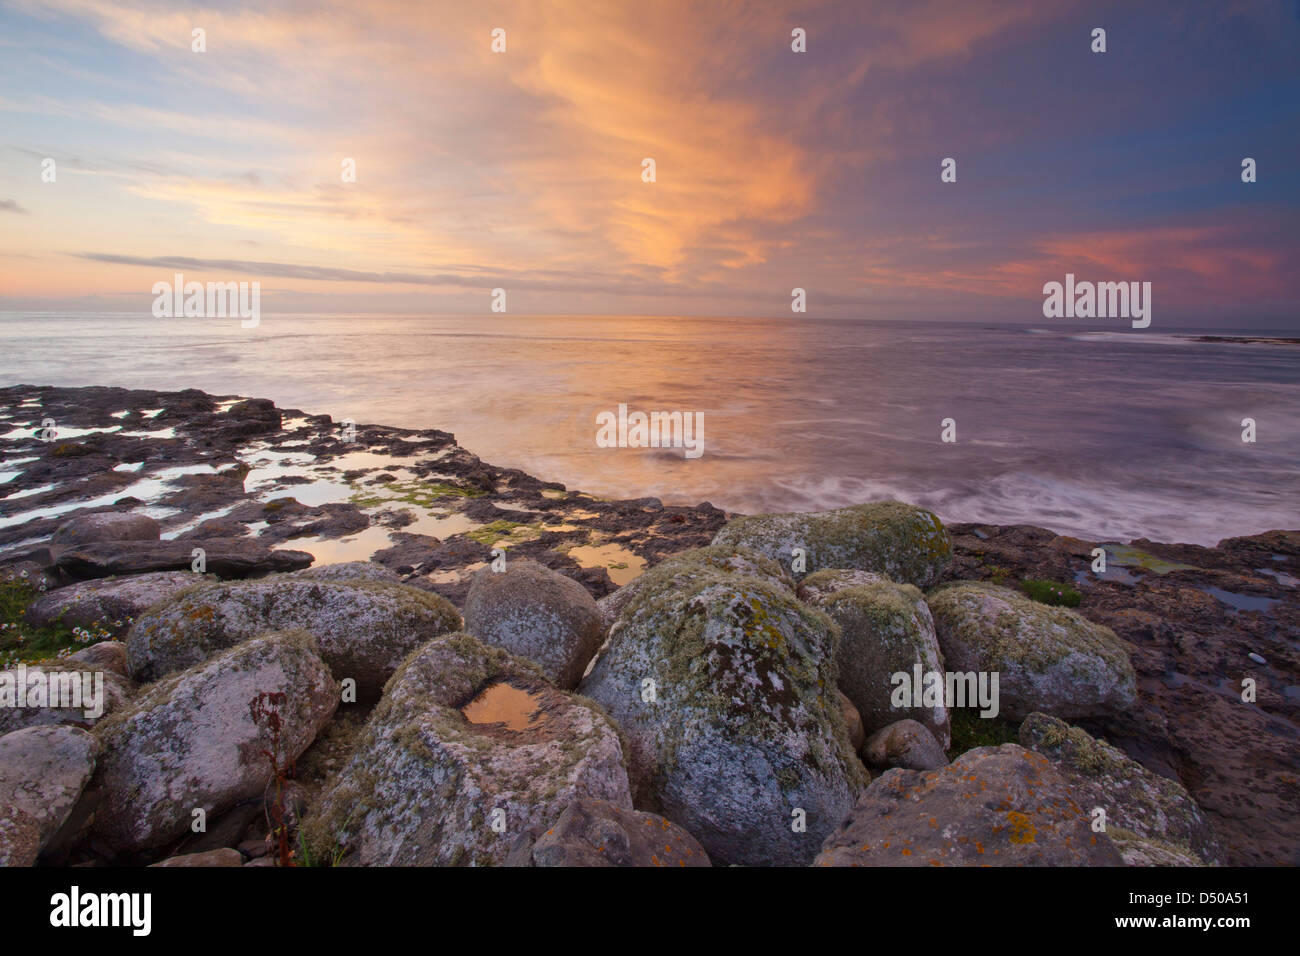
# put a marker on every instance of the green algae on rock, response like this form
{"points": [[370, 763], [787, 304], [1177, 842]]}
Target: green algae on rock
{"points": [[364, 628], [724, 686], [1152, 820], [427, 787], [195, 739], [885, 630], [901, 541], [1047, 658]]}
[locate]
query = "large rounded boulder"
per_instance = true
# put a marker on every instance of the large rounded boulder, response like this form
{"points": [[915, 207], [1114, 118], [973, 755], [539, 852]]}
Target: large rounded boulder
{"points": [[539, 614], [885, 631], [724, 686], [364, 628], [901, 541], [1151, 819], [993, 806], [1046, 658], [469, 748], [206, 738], [110, 604]]}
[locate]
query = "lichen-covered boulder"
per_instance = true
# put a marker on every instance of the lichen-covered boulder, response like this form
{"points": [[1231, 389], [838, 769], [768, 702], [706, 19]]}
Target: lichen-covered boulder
{"points": [[539, 614], [364, 628], [885, 630], [1151, 819], [901, 541], [1047, 658], [907, 744], [63, 691], [724, 686], [741, 561], [600, 833], [110, 604], [204, 738], [350, 571], [468, 748], [42, 773], [993, 806], [103, 655]]}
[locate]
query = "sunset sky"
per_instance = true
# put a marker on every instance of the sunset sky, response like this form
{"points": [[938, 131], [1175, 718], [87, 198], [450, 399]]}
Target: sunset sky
{"points": [[775, 169]]}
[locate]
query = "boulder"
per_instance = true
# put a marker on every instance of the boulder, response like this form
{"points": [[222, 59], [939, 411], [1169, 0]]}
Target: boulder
{"points": [[106, 527], [741, 734], [62, 691], [1151, 819], [907, 744], [599, 833], [222, 857], [993, 806], [538, 614], [107, 656], [1047, 658], [42, 773], [736, 560], [364, 628], [351, 571], [205, 738], [468, 748], [901, 541], [109, 603], [886, 629], [225, 557]]}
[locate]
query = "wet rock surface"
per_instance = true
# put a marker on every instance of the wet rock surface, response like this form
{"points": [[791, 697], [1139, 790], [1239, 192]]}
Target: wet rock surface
{"points": [[1190, 650], [252, 484]]}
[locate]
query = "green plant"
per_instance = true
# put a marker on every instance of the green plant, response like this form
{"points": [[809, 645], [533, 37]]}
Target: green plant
{"points": [[1051, 592], [970, 730], [22, 642]]}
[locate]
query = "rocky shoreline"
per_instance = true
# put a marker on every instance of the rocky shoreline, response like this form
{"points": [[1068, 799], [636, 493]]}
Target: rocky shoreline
{"points": [[325, 595]]}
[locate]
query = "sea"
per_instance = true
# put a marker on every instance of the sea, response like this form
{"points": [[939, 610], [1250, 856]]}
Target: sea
{"points": [[1107, 435]]}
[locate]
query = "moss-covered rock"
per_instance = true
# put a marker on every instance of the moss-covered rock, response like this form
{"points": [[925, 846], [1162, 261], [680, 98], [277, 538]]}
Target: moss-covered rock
{"points": [[205, 738], [426, 783], [350, 571], [1152, 820], [900, 541], [539, 614], [1047, 658], [740, 737], [719, 557], [364, 628], [885, 629]]}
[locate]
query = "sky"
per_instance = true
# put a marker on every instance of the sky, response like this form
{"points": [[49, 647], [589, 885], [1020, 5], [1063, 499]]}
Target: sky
{"points": [[774, 169]]}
